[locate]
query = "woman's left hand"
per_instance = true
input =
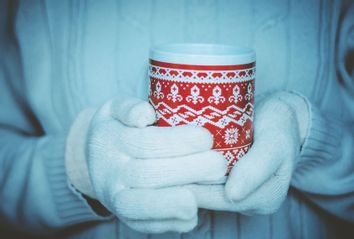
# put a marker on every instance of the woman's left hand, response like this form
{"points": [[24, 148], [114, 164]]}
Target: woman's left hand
{"points": [[259, 182]]}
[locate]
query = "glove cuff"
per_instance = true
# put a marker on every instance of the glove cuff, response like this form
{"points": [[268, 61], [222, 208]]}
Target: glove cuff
{"points": [[320, 148], [322, 138], [70, 206], [75, 160]]}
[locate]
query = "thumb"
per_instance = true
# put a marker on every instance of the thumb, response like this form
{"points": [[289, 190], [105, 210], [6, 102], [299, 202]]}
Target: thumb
{"points": [[133, 112], [274, 141]]}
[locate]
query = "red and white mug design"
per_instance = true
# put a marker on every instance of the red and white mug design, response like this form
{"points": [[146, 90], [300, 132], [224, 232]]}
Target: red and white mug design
{"points": [[206, 85]]}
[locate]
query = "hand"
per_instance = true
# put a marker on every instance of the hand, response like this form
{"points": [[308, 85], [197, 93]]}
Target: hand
{"points": [[132, 166], [259, 182]]}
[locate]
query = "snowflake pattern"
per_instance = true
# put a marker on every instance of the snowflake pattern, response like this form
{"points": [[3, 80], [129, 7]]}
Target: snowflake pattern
{"points": [[231, 136]]}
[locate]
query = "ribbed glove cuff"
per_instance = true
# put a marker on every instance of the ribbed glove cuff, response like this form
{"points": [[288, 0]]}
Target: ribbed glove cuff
{"points": [[75, 161]]}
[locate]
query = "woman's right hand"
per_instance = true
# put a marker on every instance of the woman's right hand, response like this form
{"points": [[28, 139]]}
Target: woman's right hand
{"points": [[135, 169]]}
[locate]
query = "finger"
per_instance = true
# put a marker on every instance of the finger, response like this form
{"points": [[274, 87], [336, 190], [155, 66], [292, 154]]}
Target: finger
{"points": [[265, 200], [152, 142], [162, 142], [133, 112], [273, 141], [161, 226], [211, 197], [268, 197], [155, 204], [154, 173], [253, 169]]}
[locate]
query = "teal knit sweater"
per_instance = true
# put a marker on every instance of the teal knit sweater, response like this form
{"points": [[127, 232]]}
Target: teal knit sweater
{"points": [[59, 57]]}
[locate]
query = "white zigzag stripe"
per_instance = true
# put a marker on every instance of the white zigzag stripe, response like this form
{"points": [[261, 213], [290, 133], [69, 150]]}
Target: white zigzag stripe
{"points": [[203, 119]]}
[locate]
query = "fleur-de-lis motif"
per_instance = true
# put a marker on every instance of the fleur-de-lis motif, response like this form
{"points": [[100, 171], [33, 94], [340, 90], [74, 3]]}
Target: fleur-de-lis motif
{"points": [[236, 95], [174, 96], [158, 94], [195, 96], [216, 98], [249, 94]]}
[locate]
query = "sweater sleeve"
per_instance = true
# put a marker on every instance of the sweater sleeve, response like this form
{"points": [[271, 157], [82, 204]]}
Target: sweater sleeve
{"points": [[35, 192], [326, 168], [34, 189]]}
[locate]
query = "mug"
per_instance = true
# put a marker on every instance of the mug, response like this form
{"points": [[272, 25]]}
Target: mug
{"points": [[206, 85]]}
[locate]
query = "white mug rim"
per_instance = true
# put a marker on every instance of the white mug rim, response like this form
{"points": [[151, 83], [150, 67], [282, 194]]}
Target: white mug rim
{"points": [[202, 54]]}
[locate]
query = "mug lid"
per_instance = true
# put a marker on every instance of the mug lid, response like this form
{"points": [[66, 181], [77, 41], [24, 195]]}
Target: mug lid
{"points": [[202, 54]]}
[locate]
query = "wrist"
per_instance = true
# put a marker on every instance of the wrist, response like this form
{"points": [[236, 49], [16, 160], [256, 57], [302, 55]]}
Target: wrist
{"points": [[75, 157]]}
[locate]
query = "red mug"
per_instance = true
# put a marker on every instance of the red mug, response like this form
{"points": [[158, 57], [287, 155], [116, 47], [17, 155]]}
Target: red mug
{"points": [[206, 85]]}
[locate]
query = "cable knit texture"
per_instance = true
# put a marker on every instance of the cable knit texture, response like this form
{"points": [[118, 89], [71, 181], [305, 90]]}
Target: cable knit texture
{"points": [[65, 56]]}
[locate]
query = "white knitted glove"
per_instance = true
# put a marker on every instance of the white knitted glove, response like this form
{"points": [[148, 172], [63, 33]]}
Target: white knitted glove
{"points": [[259, 182], [115, 157]]}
